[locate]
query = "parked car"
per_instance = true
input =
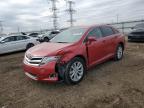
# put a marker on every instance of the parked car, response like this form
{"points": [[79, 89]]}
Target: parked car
{"points": [[16, 43], [70, 53], [33, 34], [137, 34], [48, 36]]}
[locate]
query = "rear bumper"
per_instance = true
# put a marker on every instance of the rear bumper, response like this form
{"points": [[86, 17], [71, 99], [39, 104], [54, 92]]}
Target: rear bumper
{"points": [[44, 73]]}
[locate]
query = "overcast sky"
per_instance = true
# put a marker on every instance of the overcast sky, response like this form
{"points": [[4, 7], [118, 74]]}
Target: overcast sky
{"points": [[35, 14]]}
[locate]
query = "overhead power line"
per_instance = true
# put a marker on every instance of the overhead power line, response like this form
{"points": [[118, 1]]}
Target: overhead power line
{"points": [[71, 11]]}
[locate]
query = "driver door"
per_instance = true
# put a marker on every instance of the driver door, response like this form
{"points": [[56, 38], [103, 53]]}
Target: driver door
{"points": [[8, 45], [96, 49]]}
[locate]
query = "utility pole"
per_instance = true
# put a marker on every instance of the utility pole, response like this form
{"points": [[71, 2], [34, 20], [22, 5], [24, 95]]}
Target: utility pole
{"points": [[117, 18], [71, 12], [54, 10], [18, 29], [1, 27]]}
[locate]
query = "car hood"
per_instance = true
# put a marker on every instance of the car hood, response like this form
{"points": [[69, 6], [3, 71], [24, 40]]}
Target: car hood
{"points": [[138, 30], [47, 49]]}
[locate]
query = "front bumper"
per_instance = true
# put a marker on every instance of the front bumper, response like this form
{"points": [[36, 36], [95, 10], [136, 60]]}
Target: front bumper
{"points": [[136, 37], [44, 73]]}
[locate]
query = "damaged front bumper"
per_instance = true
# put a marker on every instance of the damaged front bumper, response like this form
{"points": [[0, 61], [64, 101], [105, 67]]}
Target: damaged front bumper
{"points": [[45, 72]]}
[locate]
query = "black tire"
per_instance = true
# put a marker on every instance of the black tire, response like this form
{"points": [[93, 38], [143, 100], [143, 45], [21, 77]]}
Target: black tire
{"points": [[29, 46], [119, 53], [46, 39], [67, 76]]}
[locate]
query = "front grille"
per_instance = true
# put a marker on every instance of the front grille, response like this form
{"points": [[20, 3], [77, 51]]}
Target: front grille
{"points": [[30, 60]]}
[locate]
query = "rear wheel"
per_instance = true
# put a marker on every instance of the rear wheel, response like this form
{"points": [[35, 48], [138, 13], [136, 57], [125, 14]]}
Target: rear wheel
{"points": [[119, 52], [75, 71], [29, 46]]}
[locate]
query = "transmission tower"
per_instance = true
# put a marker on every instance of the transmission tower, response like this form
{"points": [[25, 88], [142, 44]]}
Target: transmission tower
{"points": [[71, 11], [54, 10]]}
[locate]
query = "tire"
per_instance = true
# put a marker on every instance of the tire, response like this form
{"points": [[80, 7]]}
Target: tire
{"points": [[119, 53], [46, 39], [29, 46], [72, 76]]}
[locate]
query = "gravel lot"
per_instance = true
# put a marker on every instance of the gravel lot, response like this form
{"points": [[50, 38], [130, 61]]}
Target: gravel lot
{"points": [[109, 85]]}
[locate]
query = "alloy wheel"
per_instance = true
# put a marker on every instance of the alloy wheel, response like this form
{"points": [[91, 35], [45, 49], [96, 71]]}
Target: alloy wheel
{"points": [[76, 71], [119, 52]]}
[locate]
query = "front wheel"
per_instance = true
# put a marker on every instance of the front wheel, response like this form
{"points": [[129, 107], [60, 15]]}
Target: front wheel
{"points": [[46, 39], [119, 52], [29, 46], [75, 71]]}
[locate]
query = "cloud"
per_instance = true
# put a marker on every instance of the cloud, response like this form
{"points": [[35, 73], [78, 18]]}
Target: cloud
{"points": [[20, 2], [36, 14]]}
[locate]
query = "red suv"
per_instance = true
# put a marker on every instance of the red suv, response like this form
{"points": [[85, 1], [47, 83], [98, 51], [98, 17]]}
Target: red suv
{"points": [[69, 54]]}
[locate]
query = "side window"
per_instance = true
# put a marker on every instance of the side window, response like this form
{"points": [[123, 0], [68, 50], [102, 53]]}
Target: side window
{"points": [[107, 31], [25, 37], [96, 32], [10, 39], [6, 39], [21, 38]]}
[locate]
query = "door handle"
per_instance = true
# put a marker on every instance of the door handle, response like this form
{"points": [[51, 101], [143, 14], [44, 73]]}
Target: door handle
{"points": [[115, 37], [104, 41]]}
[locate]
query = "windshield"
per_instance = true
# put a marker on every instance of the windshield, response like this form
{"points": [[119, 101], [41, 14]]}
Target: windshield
{"points": [[139, 26], [69, 36]]}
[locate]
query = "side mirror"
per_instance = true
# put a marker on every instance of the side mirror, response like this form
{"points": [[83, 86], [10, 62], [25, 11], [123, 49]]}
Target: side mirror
{"points": [[91, 39]]}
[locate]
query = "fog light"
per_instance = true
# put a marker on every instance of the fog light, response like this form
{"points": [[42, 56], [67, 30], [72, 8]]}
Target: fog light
{"points": [[53, 75]]}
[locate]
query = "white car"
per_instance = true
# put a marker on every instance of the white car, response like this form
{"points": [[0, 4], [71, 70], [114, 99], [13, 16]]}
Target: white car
{"points": [[47, 36], [16, 43]]}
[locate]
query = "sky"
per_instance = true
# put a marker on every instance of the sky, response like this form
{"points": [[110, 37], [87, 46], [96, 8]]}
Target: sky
{"points": [[30, 15]]}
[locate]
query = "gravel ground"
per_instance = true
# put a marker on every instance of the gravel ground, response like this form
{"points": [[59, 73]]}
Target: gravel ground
{"points": [[109, 85]]}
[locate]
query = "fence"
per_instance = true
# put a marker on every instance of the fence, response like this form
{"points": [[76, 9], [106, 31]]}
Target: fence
{"points": [[126, 26]]}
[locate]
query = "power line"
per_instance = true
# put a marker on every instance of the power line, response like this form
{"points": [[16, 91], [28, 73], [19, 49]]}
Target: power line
{"points": [[54, 10], [71, 12]]}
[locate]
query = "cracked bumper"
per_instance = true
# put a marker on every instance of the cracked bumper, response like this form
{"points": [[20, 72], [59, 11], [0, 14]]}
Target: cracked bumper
{"points": [[41, 73]]}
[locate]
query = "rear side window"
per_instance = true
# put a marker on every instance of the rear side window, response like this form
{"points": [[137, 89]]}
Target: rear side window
{"points": [[19, 38], [96, 32], [107, 31], [22, 37], [25, 37]]}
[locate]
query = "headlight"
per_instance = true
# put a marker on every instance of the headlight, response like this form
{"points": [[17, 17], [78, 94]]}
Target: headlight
{"points": [[46, 60]]}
